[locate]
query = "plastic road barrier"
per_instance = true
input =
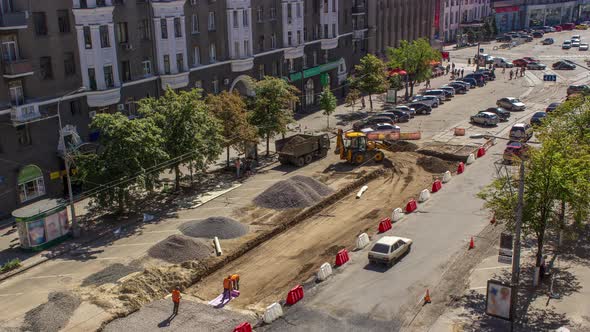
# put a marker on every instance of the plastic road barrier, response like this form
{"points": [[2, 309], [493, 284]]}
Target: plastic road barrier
{"points": [[424, 196], [397, 214], [411, 206], [324, 272], [461, 168], [384, 225], [295, 295], [272, 312], [342, 257], [362, 241], [436, 186], [244, 327], [447, 177]]}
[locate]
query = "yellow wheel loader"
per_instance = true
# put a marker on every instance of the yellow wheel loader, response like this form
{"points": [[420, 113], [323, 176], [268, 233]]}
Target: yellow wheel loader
{"points": [[356, 148]]}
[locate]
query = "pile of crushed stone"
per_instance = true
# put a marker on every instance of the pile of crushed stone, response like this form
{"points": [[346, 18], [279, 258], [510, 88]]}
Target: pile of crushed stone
{"points": [[52, 315], [434, 164], [293, 193], [222, 227], [111, 274], [179, 248]]}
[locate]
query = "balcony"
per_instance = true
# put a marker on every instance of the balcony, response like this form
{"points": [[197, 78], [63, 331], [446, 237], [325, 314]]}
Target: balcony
{"points": [[24, 113], [242, 64], [328, 44], [13, 20], [175, 81], [102, 98], [295, 52], [359, 34], [18, 68]]}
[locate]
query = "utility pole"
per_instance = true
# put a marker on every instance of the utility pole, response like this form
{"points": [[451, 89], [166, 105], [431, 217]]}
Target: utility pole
{"points": [[516, 260]]}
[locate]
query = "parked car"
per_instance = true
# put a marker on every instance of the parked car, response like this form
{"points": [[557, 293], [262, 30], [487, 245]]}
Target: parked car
{"points": [[521, 132], [563, 65], [406, 109], [576, 37], [581, 27], [515, 151], [537, 118], [449, 89], [381, 127], [357, 126], [531, 59], [472, 82], [552, 107], [548, 41], [520, 62], [485, 119], [511, 104], [421, 108], [465, 84], [499, 111], [401, 115], [387, 114], [568, 26], [459, 88], [581, 89], [504, 39], [538, 34], [500, 62], [567, 44], [583, 47], [438, 93], [479, 77], [536, 66], [432, 101], [388, 249], [558, 28], [488, 74], [575, 43]]}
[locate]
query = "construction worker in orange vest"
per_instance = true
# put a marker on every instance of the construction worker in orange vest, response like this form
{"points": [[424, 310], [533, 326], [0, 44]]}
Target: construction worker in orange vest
{"points": [[227, 285], [235, 279], [176, 299]]}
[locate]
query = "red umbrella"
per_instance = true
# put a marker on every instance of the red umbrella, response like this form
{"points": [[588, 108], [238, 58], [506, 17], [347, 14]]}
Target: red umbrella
{"points": [[397, 71]]}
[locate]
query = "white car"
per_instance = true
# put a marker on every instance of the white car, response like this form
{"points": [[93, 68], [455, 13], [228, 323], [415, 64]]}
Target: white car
{"points": [[583, 47], [389, 249], [575, 43]]}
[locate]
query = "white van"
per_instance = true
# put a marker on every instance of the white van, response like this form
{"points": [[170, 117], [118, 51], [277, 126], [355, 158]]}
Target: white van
{"points": [[502, 63]]}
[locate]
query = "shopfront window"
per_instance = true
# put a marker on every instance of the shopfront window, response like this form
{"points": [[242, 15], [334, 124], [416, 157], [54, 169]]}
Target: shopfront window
{"points": [[536, 17], [553, 16], [30, 183], [309, 92]]}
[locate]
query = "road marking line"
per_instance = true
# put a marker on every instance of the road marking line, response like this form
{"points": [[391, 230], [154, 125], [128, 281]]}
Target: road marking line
{"points": [[493, 267], [476, 288]]}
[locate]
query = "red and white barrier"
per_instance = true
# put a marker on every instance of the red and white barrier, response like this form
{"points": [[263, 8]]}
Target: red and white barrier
{"points": [[342, 257], [295, 295], [384, 225]]}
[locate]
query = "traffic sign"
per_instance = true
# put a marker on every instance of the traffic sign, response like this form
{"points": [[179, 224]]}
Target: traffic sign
{"points": [[550, 78]]}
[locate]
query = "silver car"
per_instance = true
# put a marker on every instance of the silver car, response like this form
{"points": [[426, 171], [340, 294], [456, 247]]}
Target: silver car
{"points": [[485, 118], [432, 101], [438, 93]]}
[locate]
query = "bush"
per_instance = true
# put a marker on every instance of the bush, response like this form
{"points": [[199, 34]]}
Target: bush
{"points": [[11, 265]]}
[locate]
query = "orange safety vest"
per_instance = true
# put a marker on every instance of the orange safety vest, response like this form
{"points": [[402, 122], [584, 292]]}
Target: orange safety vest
{"points": [[175, 296], [226, 283], [235, 277]]}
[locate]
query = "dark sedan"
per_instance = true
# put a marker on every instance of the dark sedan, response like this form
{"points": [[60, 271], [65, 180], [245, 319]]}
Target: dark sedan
{"points": [[401, 115], [499, 111], [563, 65], [471, 82], [552, 107], [459, 88], [421, 108], [537, 118], [372, 121]]}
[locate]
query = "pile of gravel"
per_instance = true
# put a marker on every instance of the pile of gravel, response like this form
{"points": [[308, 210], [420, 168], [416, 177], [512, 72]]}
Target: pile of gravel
{"points": [[179, 248], [52, 315], [222, 227], [293, 193], [434, 164], [111, 274]]}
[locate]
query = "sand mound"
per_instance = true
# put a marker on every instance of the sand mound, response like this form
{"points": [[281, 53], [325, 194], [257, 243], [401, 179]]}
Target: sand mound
{"points": [[180, 248], [294, 193], [52, 315], [434, 165], [111, 274], [223, 228]]}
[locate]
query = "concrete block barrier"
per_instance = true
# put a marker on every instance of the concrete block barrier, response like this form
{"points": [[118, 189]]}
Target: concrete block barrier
{"points": [[447, 177], [397, 214], [325, 271], [424, 196], [272, 313], [470, 159], [362, 241]]}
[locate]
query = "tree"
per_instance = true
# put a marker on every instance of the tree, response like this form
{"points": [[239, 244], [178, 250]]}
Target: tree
{"points": [[352, 97], [328, 103], [415, 58], [271, 107], [370, 76], [190, 132], [129, 153], [230, 109]]}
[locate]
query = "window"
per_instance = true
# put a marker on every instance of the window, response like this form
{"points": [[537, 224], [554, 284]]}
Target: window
{"points": [[273, 41], [309, 93], [275, 68], [334, 32], [289, 13], [273, 13], [75, 106], [245, 19], [108, 76], [247, 48], [212, 53], [146, 66], [315, 58], [45, 68], [298, 9], [164, 28], [326, 32], [261, 44], [211, 21], [259, 14], [122, 33], [199, 84], [196, 56], [17, 97], [30, 182], [235, 15], [305, 36], [326, 56], [195, 24], [180, 62], [325, 6], [63, 21], [215, 84], [40, 23], [291, 64], [177, 28], [126, 71], [87, 38], [261, 71], [299, 37], [23, 134], [69, 64], [92, 78], [145, 29], [166, 64], [104, 36], [304, 60], [333, 6], [9, 51], [236, 49]]}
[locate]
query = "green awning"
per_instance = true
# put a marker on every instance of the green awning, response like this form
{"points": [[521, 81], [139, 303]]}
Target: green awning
{"points": [[315, 70], [29, 173]]}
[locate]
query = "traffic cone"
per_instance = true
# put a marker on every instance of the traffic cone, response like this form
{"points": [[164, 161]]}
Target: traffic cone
{"points": [[471, 244], [427, 297]]}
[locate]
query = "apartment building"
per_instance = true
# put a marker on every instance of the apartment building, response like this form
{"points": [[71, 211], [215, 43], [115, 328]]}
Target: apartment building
{"points": [[121, 51], [457, 15]]}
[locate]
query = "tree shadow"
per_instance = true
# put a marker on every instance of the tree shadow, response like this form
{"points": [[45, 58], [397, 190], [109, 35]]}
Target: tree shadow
{"points": [[578, 251], [344, 119]]}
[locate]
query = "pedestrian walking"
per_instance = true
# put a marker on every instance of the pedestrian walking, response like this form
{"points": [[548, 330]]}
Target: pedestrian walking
{"points": [[227, 285], [448, 68], [522, 71], [176, 300], [542, 269], [363, 102], [469, 61], [427, 84], [235, 280], [511, 73], [503, 70], [453, 66], [462, 71], [238, 167]]}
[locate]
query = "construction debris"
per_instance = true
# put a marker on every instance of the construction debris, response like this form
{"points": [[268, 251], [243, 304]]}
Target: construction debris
{"points": [[434, 164], [52, 315], [296, 192], [180, 248], [222, 227]]}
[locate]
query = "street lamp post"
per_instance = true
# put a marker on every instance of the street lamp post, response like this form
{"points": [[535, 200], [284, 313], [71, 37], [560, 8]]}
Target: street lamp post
{"points": [[75, 226]]}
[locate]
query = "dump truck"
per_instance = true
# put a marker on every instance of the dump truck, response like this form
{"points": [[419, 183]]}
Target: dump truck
{"points": [[302, 149]]}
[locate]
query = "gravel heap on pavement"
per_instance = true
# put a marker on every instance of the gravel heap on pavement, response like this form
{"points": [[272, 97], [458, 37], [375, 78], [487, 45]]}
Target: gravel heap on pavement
{"points": [[434, 164], [111, 274], [222, 227], [296, 192], [52, 315], [192, 316], [180, 248]]}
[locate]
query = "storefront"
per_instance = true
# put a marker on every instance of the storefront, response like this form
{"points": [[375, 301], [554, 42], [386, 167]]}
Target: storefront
{"points": [[549, 14], [42, 224], [507, 18], [584, 12]]}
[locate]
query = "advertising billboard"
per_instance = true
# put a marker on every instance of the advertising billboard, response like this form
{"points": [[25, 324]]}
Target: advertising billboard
{"points": [[498, 299]]}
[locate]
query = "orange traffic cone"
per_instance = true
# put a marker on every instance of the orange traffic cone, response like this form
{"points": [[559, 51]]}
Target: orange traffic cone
{"points": [[427, 296], [471, 244]]}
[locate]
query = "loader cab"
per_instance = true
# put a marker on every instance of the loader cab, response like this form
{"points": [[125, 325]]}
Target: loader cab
{"points": [[355, 141]]}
